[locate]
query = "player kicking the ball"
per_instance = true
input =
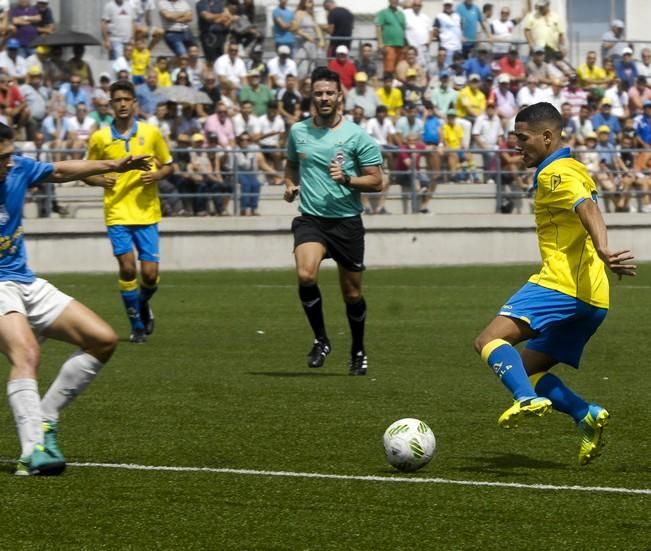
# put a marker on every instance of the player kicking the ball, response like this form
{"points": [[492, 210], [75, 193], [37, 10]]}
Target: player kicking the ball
{"points": [[331, 161], [31, 307], [561, 307]]}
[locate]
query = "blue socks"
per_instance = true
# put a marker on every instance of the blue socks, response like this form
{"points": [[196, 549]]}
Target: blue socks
{"points": [[505, 361], [563, 399], [131, 300]]}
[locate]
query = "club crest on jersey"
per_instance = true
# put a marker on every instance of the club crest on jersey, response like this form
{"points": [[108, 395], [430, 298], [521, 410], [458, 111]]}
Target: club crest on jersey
{"points": [[4, 215], [340, 157], [141, 141], [555, 181]]}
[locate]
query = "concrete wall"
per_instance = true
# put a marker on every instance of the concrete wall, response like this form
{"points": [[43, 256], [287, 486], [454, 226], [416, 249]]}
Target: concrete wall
{"points": [[246, 243]]}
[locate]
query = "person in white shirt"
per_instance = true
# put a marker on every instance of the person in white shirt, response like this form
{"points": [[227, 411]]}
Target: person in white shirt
{"points": [[530, 94], [272, 128], [447, 30], [11, 62], [123, 63], [281, 66], [246, 121], [117, 26], [487, 132], [618, 96], [80, 127], [230, 67], [502, 31], [644, 66], [419, 31]]}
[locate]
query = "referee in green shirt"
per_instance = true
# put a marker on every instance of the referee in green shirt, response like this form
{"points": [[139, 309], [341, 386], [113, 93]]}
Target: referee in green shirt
{"points": [[331, 160]]}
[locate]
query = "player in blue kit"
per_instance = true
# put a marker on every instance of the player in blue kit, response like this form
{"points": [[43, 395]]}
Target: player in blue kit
{"points": [[561, 306], [31, 308], [331, 161]]}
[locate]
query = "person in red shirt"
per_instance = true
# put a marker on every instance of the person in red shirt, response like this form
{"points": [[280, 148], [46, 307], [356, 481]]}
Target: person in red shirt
{"points": [[512, 65], [343, 66], [16, 109]]}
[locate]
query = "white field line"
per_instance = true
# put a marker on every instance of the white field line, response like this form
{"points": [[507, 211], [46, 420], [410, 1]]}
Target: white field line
{"points": [[360, 478]]}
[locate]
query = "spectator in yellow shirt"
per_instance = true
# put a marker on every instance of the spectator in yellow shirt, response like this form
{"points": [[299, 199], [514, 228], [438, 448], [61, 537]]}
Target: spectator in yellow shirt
{"points": [[452, 135], [390, 97], [140, 60], [471, 101], [162, 70], [591, 76]]}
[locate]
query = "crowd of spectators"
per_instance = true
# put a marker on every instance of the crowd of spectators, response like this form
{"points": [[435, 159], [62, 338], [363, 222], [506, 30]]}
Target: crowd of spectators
{"points": [[438, 94]]}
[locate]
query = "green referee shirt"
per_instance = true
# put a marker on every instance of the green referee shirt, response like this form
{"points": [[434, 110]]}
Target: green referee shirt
{"points": [[313, 149]]}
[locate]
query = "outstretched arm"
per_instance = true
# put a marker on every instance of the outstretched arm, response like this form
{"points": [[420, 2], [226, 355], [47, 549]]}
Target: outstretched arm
{"points": [[66, 171], [593, 222]]}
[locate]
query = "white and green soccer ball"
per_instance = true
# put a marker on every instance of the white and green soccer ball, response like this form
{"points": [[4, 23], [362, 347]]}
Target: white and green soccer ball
{"points": [[409, 444]]}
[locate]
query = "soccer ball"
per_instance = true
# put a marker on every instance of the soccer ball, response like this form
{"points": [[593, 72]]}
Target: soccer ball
{"points": [[409, 444]]}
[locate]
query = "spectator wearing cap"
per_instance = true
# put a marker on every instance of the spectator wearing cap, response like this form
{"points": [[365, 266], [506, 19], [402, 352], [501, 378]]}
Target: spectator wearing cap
{"points": [[512, 66], [117, 26], [610, 168], [479, 65], [390, 96], [443, 97], [365, 63], [471, 16], [411, 92], [344, 67], [637, 95], [37, 98], [78, 66], [625, 68], [281, 66], [452, 136], [390, 26], [544, 28], [283, 18], [310, 44], [362, 96], [613, 41], [410, 63], [255, 62], [40, 59], [257, 93], [471, 101], [530, 94], [11, 62], [591, 76], [643, 126], [502, 31], [505, 103], [604, 117], [230, 66], [339, 26], [418, 31], [26, 19], [447, 30], [538, 68]]}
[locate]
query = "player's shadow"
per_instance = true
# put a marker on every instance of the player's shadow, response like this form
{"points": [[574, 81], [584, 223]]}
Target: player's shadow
{"points": [[503, 464], [296, 374]]}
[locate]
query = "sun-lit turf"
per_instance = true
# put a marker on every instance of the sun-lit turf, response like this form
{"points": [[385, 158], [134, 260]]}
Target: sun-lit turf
{"points": [[223, 383]]}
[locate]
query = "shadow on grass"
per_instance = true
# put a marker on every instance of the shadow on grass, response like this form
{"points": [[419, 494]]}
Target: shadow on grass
{"points": [[502, 464], [296, 374]]}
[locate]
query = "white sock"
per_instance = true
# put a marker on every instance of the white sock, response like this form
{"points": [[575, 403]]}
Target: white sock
{"points": [[76, 374], [25, 404]]}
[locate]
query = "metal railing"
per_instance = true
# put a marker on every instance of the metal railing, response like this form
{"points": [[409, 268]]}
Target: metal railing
{"points": [[491, 171]]}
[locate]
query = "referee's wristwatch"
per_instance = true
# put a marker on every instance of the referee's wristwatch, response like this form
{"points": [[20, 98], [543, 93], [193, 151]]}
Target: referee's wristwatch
{"points": [[347, 179]]}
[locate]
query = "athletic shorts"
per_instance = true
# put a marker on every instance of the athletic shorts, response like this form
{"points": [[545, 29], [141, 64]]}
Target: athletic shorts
{"points": [[40, 302], [343, 238], [144, 238], [564, 324]]}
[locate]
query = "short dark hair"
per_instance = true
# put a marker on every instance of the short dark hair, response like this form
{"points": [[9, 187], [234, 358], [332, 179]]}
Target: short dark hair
{"points": [[273, 104], [540, 114], [124, 85], [381, 109], [6, 133], [323, 73]]}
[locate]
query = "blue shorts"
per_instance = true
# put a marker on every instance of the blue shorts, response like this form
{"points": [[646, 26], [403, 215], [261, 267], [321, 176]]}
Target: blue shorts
{"points": [[564, 324], [145, 239]]}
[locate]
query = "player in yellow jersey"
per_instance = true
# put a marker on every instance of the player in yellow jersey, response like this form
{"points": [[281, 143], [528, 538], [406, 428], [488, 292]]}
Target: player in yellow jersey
{"points": [[131, 204], [561, 307]]}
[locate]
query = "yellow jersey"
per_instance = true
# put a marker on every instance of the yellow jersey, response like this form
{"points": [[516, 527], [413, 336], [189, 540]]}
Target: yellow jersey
{"points": [[392, 100], [570, 263], [452, 135], [130, 202], [140, 62], [585, 73]]}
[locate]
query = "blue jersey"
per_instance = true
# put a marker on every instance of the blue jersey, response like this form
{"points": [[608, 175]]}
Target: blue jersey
{"points": [[13, 259]]}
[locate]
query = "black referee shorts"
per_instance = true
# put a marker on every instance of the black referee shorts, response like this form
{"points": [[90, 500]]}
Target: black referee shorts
{"points": [[343, 238]]}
